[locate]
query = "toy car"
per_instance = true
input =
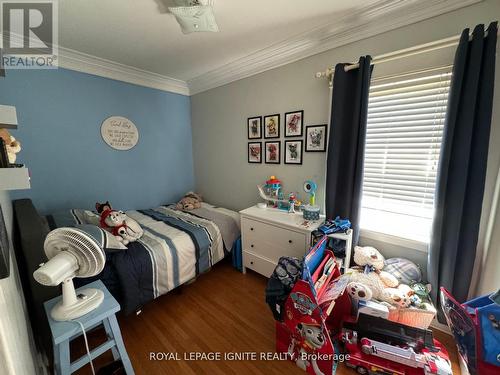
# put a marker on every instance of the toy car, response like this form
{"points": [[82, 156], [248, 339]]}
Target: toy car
{"points": [[379, 346], [335, 226]]}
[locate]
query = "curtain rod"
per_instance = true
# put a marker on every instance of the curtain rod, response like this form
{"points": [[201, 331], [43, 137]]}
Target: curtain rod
{"points": [[406, 52]]}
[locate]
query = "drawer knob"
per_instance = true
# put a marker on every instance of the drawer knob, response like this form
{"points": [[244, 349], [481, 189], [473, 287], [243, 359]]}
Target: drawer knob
{"points": [[251, 228], [251, 262], [251, 245], [289, 241]]}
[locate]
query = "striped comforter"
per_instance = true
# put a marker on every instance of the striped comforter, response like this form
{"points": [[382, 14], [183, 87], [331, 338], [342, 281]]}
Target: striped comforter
{"points": [[176, 247], [180, 245]]}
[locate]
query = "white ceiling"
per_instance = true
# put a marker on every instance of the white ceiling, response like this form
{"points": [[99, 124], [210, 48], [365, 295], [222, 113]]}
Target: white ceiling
{"points": [[142, 34], [140, 42]]}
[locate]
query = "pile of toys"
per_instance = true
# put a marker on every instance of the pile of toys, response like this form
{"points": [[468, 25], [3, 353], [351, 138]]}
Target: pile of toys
{"points": [[322, 315], [391, 289], [274, 197], [272, 193]]}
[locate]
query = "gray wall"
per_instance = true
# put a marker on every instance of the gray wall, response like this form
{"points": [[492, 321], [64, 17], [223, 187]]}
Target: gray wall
{"points": [[219, 115], [17, 353]]}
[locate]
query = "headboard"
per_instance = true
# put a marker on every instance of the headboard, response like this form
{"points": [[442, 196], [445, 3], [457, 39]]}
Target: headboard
{"points": [[29, 236]]}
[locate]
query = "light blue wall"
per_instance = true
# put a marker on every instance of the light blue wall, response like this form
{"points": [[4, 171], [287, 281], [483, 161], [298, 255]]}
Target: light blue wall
{"points": [[60, 113]]}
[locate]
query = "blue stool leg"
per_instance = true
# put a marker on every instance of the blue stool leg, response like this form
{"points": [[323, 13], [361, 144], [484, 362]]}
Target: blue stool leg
{"points": [[119, 344], [57, 360], [110, 335], [63, 365]]}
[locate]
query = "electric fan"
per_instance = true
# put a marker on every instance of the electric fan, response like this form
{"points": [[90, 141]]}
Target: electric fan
{"points": [[72, 253]]}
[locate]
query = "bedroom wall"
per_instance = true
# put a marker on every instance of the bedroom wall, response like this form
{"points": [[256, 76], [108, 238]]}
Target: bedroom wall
{"points": [[17, 352], [60, 113], [219, 116]]}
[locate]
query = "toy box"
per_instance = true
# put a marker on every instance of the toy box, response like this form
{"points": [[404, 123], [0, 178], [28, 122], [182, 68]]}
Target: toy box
{"points": [[305, 335], [476, 328]]}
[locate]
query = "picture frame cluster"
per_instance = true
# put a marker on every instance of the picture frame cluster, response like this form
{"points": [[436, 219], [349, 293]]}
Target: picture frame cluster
{"points": [[269, 128]]}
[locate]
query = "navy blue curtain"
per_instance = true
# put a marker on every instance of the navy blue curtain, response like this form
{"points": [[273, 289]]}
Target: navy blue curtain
{"points": [[462, 165], [346, 145]]}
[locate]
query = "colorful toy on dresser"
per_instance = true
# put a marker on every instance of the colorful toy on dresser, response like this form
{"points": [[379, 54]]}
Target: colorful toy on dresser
{"points": [[273, 195], [273, 187], [311, 211]]}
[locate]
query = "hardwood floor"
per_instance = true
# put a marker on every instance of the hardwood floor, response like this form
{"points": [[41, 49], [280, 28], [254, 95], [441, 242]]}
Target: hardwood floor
{"points": [[223, 311]]}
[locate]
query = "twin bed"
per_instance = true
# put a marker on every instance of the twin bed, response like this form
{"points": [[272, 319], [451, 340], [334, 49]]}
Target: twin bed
{"points": [[176, 247]]}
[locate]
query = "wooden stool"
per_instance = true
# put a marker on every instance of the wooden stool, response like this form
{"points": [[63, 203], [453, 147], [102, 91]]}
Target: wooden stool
{"points": [[64, 332]]}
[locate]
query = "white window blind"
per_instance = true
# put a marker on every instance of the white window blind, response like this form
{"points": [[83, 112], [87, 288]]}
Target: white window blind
{"points": [[404, 131]]}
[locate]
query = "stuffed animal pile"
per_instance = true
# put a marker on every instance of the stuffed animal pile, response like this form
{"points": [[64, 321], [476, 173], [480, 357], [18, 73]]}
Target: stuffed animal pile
{"points": [[124, 228], [189, 202], [380, 279]]}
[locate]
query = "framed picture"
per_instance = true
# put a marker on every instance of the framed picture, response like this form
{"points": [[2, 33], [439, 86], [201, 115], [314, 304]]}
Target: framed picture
{"points": [[4, 249], [272, 126], [294, 123], [255, 152], [293, 152], [273, 152], [316, 138], [254, 127]]}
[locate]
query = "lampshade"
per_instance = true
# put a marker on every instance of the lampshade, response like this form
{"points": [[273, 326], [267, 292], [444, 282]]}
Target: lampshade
{"points": [[8, 117]]}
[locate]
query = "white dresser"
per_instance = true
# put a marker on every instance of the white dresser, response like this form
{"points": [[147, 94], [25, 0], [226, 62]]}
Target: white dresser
{"points": [[268, 234]]}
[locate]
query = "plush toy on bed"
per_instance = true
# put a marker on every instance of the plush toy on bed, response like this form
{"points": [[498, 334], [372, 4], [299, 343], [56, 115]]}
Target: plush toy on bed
{"points": [[124, 228], [190, 201]]}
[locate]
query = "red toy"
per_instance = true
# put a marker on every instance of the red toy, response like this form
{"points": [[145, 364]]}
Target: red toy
{"points": [[376, 345], [317, 312], [304, 335]]}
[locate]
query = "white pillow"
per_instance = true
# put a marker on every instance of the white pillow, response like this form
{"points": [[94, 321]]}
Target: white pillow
{"points": [[90, 217], [195, 19]]}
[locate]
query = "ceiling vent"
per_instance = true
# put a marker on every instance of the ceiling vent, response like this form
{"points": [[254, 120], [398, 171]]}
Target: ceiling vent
{"points": [[195, 16]]}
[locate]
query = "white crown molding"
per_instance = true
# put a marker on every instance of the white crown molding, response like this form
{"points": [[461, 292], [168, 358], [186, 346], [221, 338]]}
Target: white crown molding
{"points": [[383, 16], [85, 63], [82, 62]]}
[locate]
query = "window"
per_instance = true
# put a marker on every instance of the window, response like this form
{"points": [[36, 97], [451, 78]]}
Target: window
{"points": [[404, 130]]}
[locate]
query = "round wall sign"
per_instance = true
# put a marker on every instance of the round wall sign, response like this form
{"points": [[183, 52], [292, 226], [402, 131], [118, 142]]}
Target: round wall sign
{"points": [[119, 133]]}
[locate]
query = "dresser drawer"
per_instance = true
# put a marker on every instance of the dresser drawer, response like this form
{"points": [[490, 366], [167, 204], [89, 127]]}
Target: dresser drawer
{"points": [[258, 263], [271, 241]]}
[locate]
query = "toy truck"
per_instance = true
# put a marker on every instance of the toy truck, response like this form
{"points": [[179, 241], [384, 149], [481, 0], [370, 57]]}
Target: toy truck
{"points": [[379, 346]]}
